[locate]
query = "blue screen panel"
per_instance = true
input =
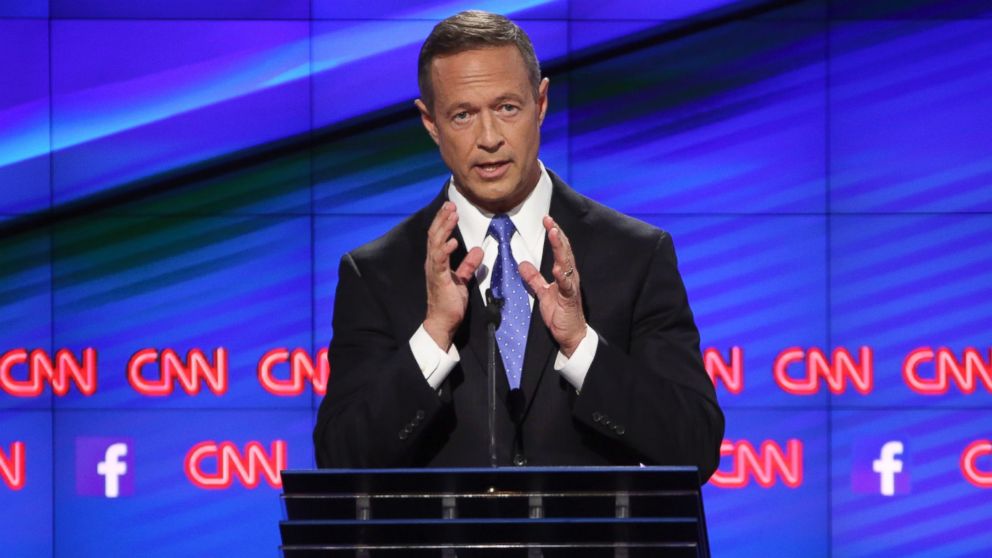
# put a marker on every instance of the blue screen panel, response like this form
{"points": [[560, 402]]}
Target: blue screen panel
{"points": [[351, 62], [123, 285], [435, 11], [734, 123], [738, 510], [757, 283], [555, 150], [24, 143], [905, 285], [23, 8], [604, 36], [909, 118], [182, 9], [899, 487], [637, 9], [25, 314], [134, 99], [910, 9], [170, 495], [695, 9], [390, 169], [26, 497]]}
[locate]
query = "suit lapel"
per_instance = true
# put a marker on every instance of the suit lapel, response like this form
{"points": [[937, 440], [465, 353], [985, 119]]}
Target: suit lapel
{"points": [[567, 209]]}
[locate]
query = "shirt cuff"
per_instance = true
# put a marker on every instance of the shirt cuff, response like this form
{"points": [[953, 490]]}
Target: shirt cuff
{"points": [[435, 364], [574, 369]]}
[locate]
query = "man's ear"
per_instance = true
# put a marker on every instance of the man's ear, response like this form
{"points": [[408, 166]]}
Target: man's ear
{"points": [[427, 120], [542, 100]]}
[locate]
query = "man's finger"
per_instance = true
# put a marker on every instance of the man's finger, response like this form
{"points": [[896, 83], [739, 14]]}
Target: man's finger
{"points": [[446, 228], [439, 218], [449, 246], [468, 266], [441, 228], [564, 279], [533, 278], [440, 245], [559, 244], [440, 258]]}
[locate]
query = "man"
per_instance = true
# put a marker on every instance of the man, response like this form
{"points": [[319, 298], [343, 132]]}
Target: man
{"points": [[599, 355]]}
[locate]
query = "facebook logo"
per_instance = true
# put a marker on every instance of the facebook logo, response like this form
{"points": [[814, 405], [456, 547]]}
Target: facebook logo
{"points": [[104, 467], [880, 467]]}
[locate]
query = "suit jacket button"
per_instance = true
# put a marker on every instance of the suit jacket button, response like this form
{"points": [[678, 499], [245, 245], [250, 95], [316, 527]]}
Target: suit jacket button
{"points": [[619, 430], [596, 417], [419, 416], [404, 434], [519, 460], [607, 421]]}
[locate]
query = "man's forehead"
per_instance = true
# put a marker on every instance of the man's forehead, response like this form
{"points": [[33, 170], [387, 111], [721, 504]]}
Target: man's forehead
{"points": [[481, 59], [490, 72]]}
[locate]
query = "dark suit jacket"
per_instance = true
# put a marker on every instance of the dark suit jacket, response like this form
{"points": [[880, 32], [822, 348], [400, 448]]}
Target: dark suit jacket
{"points": [[646, 398]]}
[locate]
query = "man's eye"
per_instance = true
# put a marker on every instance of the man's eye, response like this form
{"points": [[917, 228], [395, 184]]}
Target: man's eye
{"points": [[461, 116], [508, 108]]}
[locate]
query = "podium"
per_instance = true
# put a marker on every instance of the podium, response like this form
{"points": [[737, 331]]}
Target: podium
{"points": [[531, 512]]}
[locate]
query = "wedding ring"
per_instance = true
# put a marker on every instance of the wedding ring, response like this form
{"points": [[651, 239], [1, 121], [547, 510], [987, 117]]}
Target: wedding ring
{"points": [[571, 270]]}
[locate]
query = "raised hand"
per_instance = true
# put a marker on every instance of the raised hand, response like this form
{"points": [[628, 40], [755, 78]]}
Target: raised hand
{"points": [[447, 289], [560, 301]]}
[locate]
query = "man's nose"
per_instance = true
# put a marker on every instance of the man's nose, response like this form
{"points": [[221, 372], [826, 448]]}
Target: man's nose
{"points": [[490, 137]]}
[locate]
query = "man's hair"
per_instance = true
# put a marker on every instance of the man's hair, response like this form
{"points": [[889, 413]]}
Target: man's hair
{"points": [[471, 30]]}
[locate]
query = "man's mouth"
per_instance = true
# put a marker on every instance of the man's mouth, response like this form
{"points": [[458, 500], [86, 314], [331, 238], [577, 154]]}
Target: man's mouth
{"points": [[492, 169]]}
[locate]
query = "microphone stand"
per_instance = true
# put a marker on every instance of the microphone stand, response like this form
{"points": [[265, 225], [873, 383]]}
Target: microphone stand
{"points": [[493, 318]]}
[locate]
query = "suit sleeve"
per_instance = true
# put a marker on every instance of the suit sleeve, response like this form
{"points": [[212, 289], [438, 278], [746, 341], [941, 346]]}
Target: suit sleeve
{"points": [[378, 403], [654, 395]]}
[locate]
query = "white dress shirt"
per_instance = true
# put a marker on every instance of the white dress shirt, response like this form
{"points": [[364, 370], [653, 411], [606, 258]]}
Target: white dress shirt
{"points": [[527, 244]]}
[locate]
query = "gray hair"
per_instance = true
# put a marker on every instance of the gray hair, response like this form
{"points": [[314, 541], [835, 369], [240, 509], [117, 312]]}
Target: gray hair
{"points": [[470, 30]]}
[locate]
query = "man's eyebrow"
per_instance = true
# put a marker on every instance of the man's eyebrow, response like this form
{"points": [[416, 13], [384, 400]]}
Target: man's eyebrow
{"points": [[509, 97], [464, 105]]}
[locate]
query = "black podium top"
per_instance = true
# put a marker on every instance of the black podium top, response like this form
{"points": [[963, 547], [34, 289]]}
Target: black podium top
{"points": [[544, 479], [538, 511]]}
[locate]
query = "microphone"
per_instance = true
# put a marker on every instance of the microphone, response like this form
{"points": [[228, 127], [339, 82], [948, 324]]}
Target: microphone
{"points": [[494, 306], [493, 319]]}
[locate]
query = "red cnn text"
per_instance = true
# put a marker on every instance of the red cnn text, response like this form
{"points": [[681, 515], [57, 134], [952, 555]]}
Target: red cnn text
{"points": [[215, 465], [301, 370], [12, 465], [152, 373], [39, 368], [814, 364], [765, 465], [982, 478], [731, 374], [946, 368]]}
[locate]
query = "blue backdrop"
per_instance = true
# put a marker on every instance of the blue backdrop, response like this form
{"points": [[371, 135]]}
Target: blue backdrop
{"points": [[179, 179]]}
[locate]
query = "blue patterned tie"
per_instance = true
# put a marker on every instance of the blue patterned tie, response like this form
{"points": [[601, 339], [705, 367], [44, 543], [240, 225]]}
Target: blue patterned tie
{"points": [[507, 284]]}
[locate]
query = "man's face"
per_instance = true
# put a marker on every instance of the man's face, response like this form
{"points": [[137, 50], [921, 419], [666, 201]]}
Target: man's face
{"points": [[487, 124]]}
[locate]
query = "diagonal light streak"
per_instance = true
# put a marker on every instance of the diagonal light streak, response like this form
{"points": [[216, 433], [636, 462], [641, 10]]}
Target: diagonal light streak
{"points": [[148, 99]]}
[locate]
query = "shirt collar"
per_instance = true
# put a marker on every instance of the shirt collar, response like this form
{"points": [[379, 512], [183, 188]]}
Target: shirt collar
{"points": [[527, 217]]}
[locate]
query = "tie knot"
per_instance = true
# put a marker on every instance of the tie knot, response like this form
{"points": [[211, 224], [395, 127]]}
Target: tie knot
{"points": [[501, 228]]}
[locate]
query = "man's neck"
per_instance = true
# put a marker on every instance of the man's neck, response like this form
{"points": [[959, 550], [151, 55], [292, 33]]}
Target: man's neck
{"points": [[473, 221]]}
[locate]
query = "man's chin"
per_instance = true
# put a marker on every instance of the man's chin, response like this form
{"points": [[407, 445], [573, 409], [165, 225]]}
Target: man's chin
{"points": [[494, 201]]}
